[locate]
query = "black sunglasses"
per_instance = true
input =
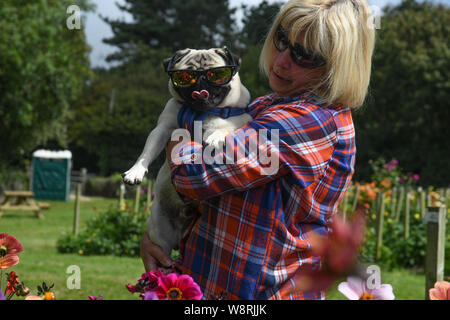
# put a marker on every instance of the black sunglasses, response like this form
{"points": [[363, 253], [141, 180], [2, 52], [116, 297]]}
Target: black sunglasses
{"points": [[299, 54], [217, 76]]}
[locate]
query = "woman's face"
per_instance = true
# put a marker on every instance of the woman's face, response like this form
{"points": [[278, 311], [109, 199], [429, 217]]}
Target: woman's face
{"points": [[289, 79]]}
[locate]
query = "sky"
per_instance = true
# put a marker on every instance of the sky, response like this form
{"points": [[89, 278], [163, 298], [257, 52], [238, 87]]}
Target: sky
{"points": [[96, 29]]}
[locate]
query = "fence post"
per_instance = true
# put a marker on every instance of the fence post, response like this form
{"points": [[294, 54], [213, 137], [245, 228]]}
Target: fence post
{"points": [[344, 204], [83, 176], [429, 197], [379, 224], [77, 209], [407, 204], [442, 196], [399, 203], [423, 203], [122, 197], [355, 198], [137, 198], [447, 196], [435, 251], [393, 201]]}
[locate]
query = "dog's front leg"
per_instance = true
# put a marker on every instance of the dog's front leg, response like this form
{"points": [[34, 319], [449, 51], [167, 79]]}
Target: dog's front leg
{"points": [[155, 143]]}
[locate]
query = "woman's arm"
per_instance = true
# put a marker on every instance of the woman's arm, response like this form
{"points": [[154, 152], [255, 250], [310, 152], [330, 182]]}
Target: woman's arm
{"points": [[305, 143]]}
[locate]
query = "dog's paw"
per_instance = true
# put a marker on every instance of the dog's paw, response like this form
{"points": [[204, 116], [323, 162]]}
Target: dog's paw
{"points": [[134, 175], [216, 139]]}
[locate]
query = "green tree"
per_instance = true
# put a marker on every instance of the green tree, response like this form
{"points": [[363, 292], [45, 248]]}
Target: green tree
{"points": [[43, 66], [252, 78], [257, 21], [407, 113], [115, 126], [174, 24]]}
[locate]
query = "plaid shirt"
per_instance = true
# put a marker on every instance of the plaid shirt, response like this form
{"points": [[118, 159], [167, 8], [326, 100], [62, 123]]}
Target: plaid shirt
{"points": [[254, 230]]}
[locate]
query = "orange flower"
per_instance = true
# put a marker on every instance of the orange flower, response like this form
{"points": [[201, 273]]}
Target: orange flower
{"points": [[49, 296], [386, 183], [371, 194], [441, 291], [9, 249]]}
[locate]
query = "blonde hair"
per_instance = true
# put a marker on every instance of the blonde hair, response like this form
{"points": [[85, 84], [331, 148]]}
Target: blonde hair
{"points": [[342, 31]]}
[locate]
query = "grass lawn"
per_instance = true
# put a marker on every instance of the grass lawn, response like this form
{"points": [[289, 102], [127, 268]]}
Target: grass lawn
{"points": [[108, 275], [40, 260]]}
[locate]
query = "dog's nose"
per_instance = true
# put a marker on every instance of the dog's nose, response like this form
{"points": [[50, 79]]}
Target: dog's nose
{"points": [[204, 94]]}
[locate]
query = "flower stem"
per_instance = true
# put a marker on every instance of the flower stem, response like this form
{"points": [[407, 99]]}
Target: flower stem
{"points": [[1, 279]]}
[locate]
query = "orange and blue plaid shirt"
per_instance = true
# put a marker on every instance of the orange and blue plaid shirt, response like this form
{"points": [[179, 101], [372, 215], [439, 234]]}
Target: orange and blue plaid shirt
{"points": [[254, 230]]}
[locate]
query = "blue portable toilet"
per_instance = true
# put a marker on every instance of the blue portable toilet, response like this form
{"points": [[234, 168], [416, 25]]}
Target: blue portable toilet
{"points": [[51, 174]]}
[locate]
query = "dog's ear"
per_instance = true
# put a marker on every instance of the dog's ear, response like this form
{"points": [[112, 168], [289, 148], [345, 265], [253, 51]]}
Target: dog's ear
{"points": [[166, 63], [170, 62], [229, 57]]}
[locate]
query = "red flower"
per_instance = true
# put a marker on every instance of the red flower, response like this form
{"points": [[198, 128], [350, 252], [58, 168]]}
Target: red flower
{"points": [[9, 248], [11, 283], [177, 287], [339, 252], [147, 282]]}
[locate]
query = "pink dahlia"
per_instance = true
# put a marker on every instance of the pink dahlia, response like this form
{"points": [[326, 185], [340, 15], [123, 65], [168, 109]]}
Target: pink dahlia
{"points": [[177, 287]]}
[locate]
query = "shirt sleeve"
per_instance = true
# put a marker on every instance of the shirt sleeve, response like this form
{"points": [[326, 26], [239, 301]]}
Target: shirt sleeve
{"points": [[285, 141]]}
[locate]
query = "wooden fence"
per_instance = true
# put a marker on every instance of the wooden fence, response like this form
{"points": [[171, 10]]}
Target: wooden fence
{"points": [[399, 204], [430, 204], [78, 178]]}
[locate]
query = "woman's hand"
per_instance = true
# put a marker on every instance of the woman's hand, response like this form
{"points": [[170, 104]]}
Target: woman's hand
{"points": [[152, 255]]}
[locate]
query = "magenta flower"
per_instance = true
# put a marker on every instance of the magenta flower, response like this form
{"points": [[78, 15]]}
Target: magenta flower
{"points": [[416, 177], [356, 289], [150, 295], [177, 287], [391, 165], [94, 298]]}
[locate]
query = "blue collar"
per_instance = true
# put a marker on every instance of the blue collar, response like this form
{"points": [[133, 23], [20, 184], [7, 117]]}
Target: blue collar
{"points": [[187, 115]]}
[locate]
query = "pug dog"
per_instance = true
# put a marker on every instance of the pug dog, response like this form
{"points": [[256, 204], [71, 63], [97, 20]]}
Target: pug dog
{"points": [[205, 86]]}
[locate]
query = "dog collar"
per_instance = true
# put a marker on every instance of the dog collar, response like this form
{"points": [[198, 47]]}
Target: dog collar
{"points": [[187, 116]]}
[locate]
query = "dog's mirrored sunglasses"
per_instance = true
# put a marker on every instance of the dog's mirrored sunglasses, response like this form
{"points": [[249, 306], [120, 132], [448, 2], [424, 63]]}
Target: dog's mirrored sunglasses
{"points": [[216, 76], [299, 54]]}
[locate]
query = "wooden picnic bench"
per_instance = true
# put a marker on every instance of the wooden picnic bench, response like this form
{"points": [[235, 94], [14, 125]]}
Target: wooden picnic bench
{"points": [[21, 201]]}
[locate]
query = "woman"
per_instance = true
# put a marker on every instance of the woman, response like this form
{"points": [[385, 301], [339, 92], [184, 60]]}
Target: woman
{"points": [[254, 230]]}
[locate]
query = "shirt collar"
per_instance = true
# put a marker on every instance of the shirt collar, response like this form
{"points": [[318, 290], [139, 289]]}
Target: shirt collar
{"points": [[305, 96]]}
